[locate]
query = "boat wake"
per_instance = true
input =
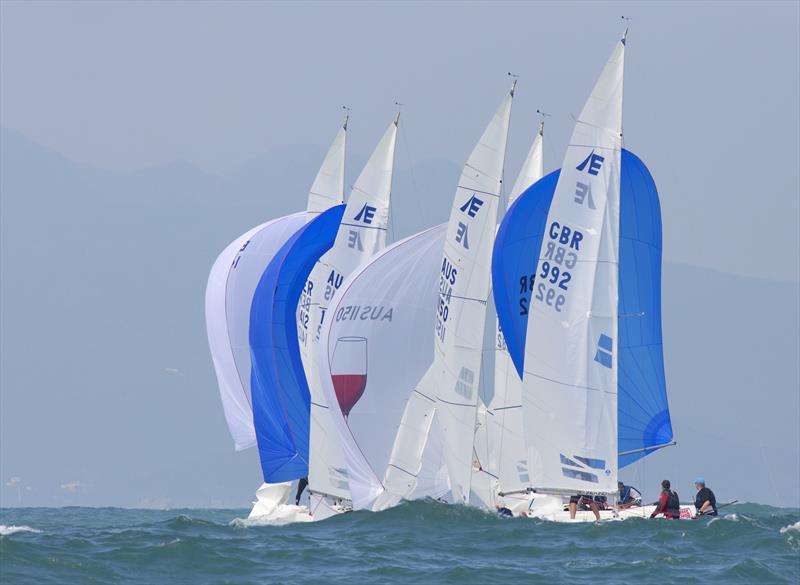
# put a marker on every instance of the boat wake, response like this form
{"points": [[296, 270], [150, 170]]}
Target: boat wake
{"points": [[9, 530]]}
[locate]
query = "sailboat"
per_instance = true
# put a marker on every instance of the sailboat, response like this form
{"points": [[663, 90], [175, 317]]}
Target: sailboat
{"points": [[584, 334], [500, 458], [393, 452], [279, 384], [361, 234]]}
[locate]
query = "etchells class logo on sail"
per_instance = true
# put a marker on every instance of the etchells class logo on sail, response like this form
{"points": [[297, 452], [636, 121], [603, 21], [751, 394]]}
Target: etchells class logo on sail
{"points": [[365, 215], [471, 208], [592, 163]]}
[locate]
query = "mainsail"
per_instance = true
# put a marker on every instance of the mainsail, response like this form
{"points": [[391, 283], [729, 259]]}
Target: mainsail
{"points": [[449, 389], [327, 189], [572, 344], [505, 462], [361, 234]]}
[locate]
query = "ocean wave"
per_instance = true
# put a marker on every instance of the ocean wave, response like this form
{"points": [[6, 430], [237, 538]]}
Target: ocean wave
{"points": [[791, 528], [11, 529]]}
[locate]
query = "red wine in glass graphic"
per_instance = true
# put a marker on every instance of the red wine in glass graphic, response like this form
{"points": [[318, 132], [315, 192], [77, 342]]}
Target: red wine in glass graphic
{"points": [[349, 371]]}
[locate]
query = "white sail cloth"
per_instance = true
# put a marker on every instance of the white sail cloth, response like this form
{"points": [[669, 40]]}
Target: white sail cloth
{"points": [[570, 366], [500, 438], [361, 234], [230, 288], [451, 384], [377, 340], [327, 189], [232, 282]]}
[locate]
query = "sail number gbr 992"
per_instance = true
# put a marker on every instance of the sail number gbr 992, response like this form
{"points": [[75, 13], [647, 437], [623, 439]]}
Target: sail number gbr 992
{"points": [[554, 276]]}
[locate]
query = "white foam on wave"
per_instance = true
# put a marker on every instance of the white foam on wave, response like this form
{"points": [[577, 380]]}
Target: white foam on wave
{"points": [[791, 528], [12, 529]]}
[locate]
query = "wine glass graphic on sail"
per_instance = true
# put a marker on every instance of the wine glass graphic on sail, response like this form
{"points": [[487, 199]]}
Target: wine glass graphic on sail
{"points": [[349, 371]]}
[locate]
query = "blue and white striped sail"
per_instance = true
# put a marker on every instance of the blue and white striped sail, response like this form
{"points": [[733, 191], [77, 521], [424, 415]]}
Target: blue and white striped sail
{"points": [[232, 282], [230, 288], [281, 400]]}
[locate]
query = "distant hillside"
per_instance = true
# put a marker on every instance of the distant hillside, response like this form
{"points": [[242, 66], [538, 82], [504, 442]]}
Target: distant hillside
{"points": [[105, 376]]}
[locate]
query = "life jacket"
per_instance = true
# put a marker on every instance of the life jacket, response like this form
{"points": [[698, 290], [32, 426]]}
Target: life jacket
{"points": [[673, 507]]}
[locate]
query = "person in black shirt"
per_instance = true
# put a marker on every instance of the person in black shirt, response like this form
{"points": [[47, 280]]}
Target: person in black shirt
{"points": [[301, 485], [705, 501]]}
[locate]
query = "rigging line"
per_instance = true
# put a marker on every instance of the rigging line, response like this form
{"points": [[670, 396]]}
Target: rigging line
{"points": [[410, 162]]}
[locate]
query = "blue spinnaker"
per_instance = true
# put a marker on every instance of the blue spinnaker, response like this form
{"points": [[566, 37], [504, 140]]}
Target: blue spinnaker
{"points": [[643, 411], [279, 389]]}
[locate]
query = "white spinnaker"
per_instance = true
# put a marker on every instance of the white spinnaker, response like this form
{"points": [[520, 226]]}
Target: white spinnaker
{"points": [[327, 189], [570, 371], [230, 288], [232, 282], [381, 318], [506, 461], [448, 392], [361, 234]]}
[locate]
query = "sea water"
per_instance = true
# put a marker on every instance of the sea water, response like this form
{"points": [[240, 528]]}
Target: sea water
{"points": [[419, 542]]}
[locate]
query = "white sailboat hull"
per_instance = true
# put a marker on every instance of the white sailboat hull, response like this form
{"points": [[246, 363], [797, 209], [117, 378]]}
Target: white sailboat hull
{"points": [[558, 513]]}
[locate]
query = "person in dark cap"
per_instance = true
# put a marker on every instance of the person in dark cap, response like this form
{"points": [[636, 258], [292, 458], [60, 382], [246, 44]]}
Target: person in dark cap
{"points": [[668, 502], [705, 501]]}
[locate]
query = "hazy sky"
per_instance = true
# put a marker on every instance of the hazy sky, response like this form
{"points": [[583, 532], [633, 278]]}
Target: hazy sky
{"points": [[106, 377], [711, 92]]}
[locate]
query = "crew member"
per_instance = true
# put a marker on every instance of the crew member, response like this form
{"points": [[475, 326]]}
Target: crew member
{"points": [[628, 496], [593, 504], [668, 502], [705, 501], [301, 485]]}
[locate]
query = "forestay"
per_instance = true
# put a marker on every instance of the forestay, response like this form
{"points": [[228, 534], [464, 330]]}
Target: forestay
{"points": [[450, 386], [230, 288], [571, 350], [361, 235], [374, 347]]}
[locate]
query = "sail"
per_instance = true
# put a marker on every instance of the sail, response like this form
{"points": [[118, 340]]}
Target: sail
{"points": [[505, 460], [374, 348], [279, 389], [361, 235], [532, 169], [448, 392], [571, 350], [230, 288], [644, 420], [327, 189], [643, 410]]}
